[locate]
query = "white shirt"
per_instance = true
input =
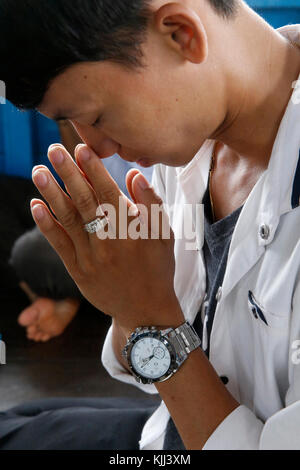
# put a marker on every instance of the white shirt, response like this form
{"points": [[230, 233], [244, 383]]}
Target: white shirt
{"points": [[252, 342]]}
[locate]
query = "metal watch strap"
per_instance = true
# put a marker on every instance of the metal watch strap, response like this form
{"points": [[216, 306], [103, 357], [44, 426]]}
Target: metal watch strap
{"points": [[184, 339]]}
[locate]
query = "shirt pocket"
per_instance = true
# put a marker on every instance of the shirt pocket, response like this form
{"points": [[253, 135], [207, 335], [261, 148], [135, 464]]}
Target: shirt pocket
{"points": [[264, 317]]}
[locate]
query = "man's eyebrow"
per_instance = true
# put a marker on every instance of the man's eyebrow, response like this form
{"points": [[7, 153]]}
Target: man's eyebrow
{"points": [[58, 117], [62, 116]]}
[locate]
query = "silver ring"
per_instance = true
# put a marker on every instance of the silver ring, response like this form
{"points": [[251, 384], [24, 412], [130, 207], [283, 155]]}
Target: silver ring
{"points": [[96, 225]]}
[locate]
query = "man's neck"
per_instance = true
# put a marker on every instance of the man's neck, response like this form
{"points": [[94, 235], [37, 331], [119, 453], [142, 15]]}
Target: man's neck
{"points": [[258, 103]]}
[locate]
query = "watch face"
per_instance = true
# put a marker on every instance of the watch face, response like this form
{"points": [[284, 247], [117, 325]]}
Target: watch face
{"points": [[150, 358]]}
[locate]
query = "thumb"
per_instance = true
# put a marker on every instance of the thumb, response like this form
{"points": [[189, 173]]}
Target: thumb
{"points": [[144, 192], [151, 207]]}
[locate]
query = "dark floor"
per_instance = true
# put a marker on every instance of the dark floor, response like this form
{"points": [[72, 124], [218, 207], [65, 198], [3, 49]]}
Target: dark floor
{"points": [[68, 366]]}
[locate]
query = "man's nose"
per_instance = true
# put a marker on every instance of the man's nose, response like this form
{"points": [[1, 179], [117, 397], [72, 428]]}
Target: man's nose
{"points": [[102, 145]]}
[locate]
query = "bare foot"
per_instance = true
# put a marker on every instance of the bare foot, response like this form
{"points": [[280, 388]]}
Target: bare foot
{"points": [[46, 318]]}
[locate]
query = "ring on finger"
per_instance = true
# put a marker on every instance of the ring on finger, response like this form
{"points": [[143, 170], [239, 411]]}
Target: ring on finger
{"points": [[96, 225]]}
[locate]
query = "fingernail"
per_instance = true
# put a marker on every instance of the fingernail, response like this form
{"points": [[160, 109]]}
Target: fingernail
{"points": [[84, 154], [142, 182], [40, 178], [57, 157], [38, 212], [133, 211]]}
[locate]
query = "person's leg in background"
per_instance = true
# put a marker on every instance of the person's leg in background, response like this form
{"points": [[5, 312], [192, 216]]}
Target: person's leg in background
{"points": [[75, 424], [55, 298]]}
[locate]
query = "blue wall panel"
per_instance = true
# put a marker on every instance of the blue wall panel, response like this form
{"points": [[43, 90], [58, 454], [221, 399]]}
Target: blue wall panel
{"points": [[277, 12], [24, 140], [15, 141]]}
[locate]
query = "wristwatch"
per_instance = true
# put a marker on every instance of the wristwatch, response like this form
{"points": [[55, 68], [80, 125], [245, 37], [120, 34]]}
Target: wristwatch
{"points": [[155, 355]]}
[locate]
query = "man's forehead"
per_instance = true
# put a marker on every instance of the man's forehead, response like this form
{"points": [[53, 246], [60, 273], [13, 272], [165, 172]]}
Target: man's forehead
{"points": [[70, 93], [57, 111], [79, 90], [59, 104]]}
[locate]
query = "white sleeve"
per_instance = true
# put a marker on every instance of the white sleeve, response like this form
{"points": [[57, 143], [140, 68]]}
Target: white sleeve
{"points": [[109, 360], [241, 429]]}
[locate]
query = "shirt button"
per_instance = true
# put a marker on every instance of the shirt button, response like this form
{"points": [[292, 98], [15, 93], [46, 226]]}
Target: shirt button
{"points": [[264, 231], [224, 379], [219, 294]]}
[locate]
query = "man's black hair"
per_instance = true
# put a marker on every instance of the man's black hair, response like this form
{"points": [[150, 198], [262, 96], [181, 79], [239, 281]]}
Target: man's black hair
{"points": [[40, 39]]}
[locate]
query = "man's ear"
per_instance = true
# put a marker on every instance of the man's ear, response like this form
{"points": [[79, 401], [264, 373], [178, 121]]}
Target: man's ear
{"points": [[184, 31]]}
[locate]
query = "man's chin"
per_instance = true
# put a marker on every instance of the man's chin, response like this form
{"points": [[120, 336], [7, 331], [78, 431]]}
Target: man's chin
{"points": [[176, 163], [146, 162]]}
